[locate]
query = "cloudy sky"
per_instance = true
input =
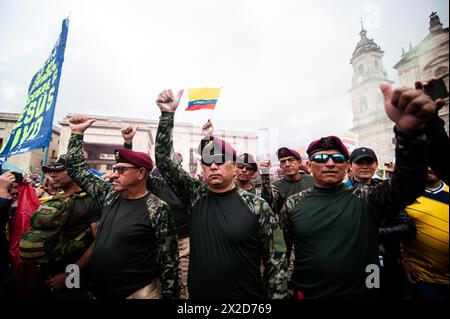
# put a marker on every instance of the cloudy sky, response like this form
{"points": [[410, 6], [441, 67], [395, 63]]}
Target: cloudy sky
{"points": [[282, 64]]}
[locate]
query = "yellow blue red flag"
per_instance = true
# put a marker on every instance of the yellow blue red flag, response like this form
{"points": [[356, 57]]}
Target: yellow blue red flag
{"points": [[202, 98]]}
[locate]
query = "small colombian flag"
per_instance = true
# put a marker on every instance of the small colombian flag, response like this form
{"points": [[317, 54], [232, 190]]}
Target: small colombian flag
{"points": [[203, 98]]}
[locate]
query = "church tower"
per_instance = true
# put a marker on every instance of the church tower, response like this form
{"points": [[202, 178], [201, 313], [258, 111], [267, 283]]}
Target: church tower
{"points": [[370, 122]]}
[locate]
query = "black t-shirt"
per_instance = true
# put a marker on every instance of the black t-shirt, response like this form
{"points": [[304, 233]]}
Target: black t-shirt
{"points": [[124, 257], [225, 249]]}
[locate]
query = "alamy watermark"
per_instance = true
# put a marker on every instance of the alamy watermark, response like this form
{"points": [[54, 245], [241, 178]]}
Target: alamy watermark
{"points": [[373, 279], [73, 279]]}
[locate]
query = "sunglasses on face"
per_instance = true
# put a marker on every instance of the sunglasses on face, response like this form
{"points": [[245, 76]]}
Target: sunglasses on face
{"points": [[122, 169], [219, 159], [249, 167], [323, 158]]}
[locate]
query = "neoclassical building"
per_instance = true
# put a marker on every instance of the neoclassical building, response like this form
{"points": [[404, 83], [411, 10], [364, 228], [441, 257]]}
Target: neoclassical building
{"points": [[104, 136], [428, 59], [370, 122], [424, 61]]}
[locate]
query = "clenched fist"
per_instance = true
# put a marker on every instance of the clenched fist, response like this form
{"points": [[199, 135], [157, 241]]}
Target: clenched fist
{"points": [[128, 133], [79, 123], [167, 102]]}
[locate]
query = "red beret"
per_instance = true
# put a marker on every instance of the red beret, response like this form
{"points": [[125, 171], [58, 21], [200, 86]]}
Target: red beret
{"points": [[285, 152], [139, 159], [214, 145], [327, 143]]}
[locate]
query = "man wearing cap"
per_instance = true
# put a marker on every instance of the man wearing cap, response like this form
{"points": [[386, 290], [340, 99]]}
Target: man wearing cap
{"points": [[363, 165], [231, 230], [158, 186], [136, 249], [78, 215], [292, 182], [393, 228], [246, 168], [334, 228]]}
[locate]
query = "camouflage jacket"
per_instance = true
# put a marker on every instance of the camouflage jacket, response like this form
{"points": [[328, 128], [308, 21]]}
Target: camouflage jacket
{"points": [[190, 190], [50, 239], [160, 216], [270, 193]]}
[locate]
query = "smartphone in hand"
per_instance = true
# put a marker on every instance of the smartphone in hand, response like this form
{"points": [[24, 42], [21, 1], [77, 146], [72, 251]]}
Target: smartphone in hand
{"points": [[436, 89]]}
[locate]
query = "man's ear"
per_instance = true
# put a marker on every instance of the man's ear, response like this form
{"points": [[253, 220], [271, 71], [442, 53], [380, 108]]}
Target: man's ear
{"points": [[142, 173]]}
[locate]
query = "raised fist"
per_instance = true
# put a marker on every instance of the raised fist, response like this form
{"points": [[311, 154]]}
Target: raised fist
{"points": [[79, 123]]}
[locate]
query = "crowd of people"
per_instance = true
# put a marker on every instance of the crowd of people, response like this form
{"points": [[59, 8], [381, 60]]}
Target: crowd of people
{"points": [[150, 230]]}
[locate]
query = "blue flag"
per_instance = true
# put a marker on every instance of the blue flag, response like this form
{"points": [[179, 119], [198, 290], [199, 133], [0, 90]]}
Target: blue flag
{"points": [[33, 129]]}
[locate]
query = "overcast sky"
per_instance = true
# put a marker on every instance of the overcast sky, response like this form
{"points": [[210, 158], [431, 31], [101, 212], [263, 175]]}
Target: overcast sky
{"points": [[282, 64]]}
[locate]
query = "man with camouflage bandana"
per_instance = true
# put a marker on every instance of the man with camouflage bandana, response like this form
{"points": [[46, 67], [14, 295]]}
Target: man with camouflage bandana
{"points": [[231, 230], [136, 249]]}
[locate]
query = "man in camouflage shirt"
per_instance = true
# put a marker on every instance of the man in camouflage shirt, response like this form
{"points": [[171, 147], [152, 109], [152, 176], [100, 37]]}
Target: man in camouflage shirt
{"points": [[231, 230], [136, 241], [68, 222]]}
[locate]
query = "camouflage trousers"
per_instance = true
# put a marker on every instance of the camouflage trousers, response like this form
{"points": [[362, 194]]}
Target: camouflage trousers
{"points": [[183, 248]]}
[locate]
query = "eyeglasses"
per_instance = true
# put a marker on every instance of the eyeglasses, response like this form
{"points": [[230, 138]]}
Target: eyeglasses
{"points": [[249, 167], [323, 158], [122, 169], [219, 159]]}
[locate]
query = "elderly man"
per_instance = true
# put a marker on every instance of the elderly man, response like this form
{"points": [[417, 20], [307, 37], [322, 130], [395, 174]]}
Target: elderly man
{"points": [[231, 230], [334, 228], [161, 189], [292, 182], [136, 248]]}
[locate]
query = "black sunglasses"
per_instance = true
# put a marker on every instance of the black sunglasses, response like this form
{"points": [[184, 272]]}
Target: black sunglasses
{"points": [[122, 169], [245, 165], [323, 158], [219, 159]]}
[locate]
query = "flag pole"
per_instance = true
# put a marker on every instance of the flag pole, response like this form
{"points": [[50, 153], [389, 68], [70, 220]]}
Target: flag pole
{"points": [[44, 162]]}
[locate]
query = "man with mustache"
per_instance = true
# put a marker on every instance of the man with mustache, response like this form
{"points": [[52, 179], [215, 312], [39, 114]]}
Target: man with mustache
{"points": [[333, 227], [136, 249], [231, 230], [292, 182]]}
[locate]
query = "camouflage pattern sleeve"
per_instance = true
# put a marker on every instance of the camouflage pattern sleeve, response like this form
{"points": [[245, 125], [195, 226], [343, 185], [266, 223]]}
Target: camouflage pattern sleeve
{"points": [[128, 146], [166, 236], [269, 192], [286, 210], [273, 247], [408, 180], [183, 185], [97, 188]]}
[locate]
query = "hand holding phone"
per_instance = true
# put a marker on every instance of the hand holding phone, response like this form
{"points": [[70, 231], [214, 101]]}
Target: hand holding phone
{"points": [[436, 89]]}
